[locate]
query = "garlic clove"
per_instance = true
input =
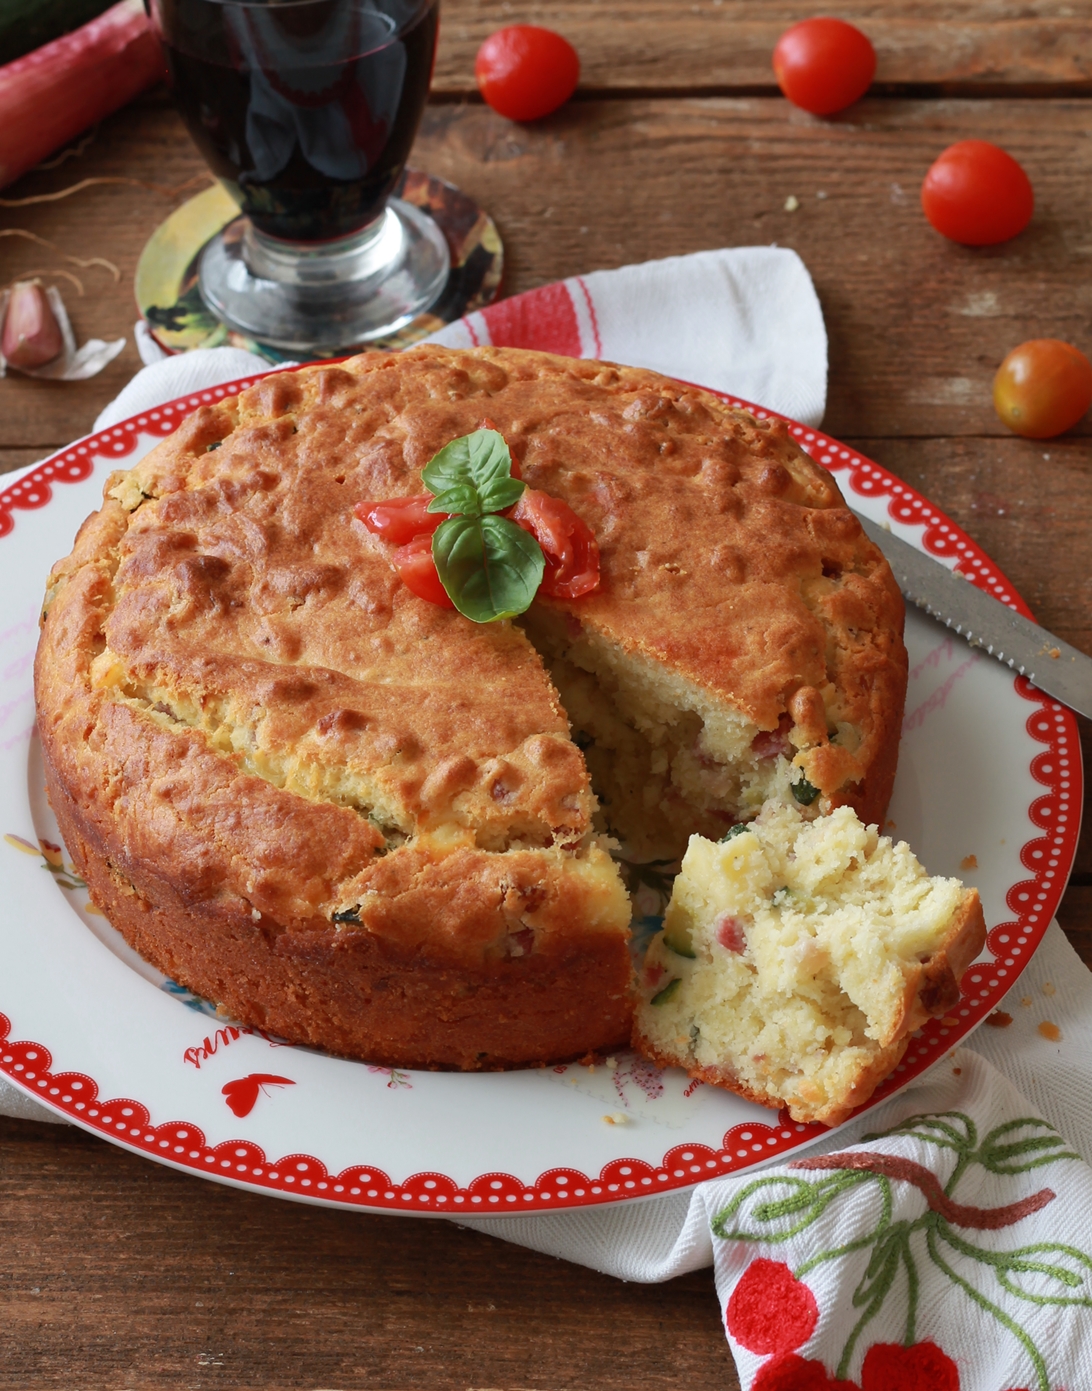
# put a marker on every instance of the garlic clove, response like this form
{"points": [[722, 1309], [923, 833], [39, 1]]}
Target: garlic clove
{"points": [[31, 335]]}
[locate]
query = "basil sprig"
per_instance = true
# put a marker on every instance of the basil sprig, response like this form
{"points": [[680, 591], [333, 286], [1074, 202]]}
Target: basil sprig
{"points": [[490, 567]]}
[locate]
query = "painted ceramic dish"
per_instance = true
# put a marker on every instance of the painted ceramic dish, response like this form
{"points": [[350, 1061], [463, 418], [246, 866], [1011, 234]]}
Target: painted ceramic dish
{"points": [[989, 788]]}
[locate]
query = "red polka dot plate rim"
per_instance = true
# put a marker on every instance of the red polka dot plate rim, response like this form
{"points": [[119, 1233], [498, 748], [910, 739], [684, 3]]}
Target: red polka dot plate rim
{"points": [[989, 788]]}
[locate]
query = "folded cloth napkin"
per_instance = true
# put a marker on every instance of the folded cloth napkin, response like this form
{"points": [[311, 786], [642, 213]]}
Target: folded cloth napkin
{"points": [[745, 320], [944, 1242]]}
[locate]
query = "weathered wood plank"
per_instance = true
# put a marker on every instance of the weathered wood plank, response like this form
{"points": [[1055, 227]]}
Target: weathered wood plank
{"points": [[1075, 917], [672, 45], [917, 324], [123, 1274]]}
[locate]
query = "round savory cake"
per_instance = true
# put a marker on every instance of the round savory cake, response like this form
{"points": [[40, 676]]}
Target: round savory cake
{"points": [[364, 822]]}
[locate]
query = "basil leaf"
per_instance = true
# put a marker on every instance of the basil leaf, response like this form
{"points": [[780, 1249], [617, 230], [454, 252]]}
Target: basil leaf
{"points": [[460, 497], [490, 567], [478, 459], [499, 495]]}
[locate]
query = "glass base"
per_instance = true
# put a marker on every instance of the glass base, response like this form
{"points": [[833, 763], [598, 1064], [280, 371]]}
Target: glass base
{"points": [[316, 298]]}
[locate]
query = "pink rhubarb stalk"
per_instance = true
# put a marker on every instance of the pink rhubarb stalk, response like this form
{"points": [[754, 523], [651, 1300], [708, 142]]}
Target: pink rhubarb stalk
{"points": [[49, 96]]}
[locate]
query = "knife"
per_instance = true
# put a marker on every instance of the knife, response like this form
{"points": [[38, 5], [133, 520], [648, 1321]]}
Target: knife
{"points": [[1049, 663]]}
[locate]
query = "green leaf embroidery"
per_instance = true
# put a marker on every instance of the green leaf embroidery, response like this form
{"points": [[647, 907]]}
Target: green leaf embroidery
{"points": [[490, 567], [949, 1129], [1039, 1145], [799, 1202]]}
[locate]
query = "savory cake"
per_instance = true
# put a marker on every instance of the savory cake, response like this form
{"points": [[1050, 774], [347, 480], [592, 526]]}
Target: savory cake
{"points": [[363, 821], [797, 957]]}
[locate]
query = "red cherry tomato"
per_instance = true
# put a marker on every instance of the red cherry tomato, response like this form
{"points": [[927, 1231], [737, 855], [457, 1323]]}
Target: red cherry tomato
{"points": [[1042, 388], [824, 65], [525, 72], [417, 571], [568, 543], [977, 194], [400, 519]]}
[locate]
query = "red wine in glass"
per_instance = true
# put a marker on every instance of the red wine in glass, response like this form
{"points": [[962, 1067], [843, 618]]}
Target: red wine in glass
{"points": [[306, 111]]}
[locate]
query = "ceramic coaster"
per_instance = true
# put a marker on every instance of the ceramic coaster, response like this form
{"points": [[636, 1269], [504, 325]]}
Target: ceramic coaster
{"points": [[170, 301]]}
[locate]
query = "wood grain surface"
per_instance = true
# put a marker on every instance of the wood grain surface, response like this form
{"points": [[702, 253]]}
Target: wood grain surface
{"points": [[703, 45], [917, 324], [121, 1275]]}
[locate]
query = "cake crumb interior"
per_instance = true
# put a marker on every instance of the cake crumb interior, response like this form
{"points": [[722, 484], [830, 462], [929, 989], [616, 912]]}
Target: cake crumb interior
{"points": [[666, 759]]}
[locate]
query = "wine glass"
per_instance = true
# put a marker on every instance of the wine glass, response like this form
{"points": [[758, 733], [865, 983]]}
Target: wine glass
{"points": [[306, 111]]}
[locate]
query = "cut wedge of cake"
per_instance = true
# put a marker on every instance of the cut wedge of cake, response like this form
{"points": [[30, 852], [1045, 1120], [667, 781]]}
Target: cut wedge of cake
{"points": [[798, 956]]}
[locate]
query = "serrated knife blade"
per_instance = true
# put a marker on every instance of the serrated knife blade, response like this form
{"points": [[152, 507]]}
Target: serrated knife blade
{"points": [[1049, 663]]}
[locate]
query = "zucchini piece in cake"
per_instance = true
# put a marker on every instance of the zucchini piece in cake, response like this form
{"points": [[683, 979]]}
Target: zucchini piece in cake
{"points": [[797, 958]]}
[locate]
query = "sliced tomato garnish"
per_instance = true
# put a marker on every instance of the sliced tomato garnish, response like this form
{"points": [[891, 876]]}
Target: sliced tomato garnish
{"points": [[417, 571], [400, 519], [568, 543]]}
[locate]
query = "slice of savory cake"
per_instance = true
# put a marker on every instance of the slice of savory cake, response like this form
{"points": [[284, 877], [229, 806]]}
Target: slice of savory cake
{"points": [[798, 956]]}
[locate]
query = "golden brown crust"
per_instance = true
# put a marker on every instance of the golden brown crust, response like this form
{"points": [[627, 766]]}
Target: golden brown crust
{"points": [[865, 1083], [939, 989], [518, 981], [243, 711]]}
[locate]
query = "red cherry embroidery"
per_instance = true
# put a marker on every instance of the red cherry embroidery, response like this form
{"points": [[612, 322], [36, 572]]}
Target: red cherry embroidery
{"points": [[790, 1372], [241, 1094], [770, 1309], [923, 1367]]}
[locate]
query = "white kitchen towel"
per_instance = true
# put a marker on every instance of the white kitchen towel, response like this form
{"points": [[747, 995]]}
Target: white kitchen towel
{"points": [[745, 321]]}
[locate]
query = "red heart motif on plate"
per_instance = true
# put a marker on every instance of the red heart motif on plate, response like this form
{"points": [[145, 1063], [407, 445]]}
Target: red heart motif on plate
{"points": [[791, 1372], [923, 1367], [242, 1094], [770, 1309]]}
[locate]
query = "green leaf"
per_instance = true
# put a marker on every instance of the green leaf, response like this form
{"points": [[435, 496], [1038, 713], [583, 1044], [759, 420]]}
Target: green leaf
{"points": [[462, 498], [490, 567], [480, 459], [501, 494]]}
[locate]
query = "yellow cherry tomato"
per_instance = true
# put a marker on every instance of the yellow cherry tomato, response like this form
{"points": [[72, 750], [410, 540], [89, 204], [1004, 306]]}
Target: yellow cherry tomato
{"points": [[1042, 388]]}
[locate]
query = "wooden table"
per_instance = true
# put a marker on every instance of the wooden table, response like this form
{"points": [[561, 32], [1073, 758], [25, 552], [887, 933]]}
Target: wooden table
{"points": [[120, 1275]]}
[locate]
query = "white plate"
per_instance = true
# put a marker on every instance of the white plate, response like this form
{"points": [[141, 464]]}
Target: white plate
{"points": [[989, 768]]}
